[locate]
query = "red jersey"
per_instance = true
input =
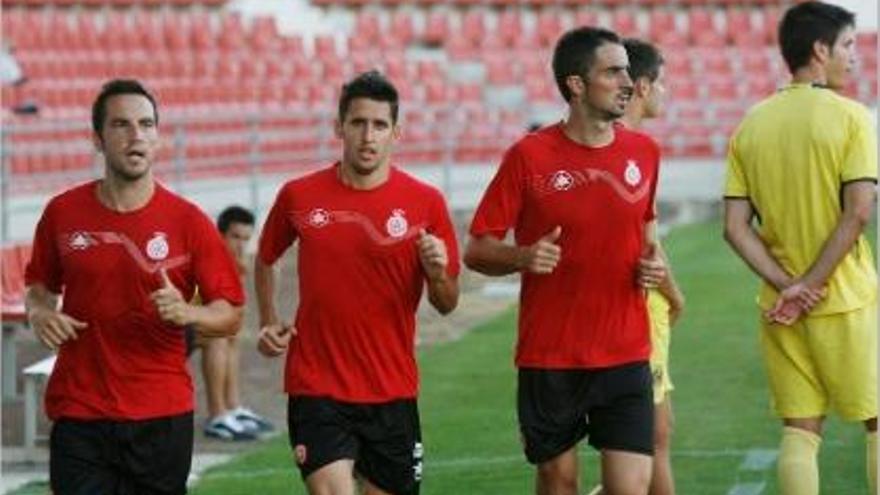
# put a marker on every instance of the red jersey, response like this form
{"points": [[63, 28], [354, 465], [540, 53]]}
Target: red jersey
{"points": [[360, 281], [127, 364], [589, 312]]}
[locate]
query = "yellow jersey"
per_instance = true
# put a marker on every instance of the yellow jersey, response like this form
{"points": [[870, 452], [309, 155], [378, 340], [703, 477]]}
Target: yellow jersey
{"points": [[790, 157]]}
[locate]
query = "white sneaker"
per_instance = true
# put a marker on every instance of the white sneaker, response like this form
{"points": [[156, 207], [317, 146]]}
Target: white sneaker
{"points": [[226, 427], [252, 421]]}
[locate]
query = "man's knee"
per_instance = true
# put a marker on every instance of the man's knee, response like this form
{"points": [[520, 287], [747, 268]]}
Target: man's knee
{"points": [[812, 425], [625, 473], [559, 476], [336, 478]]}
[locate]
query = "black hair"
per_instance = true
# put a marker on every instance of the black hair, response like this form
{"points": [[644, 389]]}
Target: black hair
{"points": [[234, 214], [805, 24], [118, 87], [372, 85], [644, 59], [575, 53]]}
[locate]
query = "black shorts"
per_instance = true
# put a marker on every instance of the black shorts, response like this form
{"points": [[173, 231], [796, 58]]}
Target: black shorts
{"points": [[152, 456], [558, 408], [384, 440]]}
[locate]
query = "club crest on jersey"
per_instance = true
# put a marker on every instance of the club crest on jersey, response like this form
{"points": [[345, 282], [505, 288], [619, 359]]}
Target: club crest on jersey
{"points": [[80, 241], [632, 175], [157, 247], [562, 180], [319, 217], [396, 225]]}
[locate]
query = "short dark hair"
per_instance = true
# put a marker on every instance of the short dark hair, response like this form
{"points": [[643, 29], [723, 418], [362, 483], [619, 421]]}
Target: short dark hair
{"points": [[575, 53], [234, 214], [805, 24], [118, 87], [644, 59], [372, 85]]}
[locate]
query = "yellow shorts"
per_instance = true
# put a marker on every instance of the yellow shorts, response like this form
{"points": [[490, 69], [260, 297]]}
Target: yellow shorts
{"points": [[823, 363], [658, 314]]}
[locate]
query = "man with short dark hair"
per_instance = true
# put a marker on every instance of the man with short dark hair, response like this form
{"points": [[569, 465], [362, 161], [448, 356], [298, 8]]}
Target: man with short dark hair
{"points": [[228, 419], [579, 196], [803, 163], [371, 238], [666, 302], [126, 254]]}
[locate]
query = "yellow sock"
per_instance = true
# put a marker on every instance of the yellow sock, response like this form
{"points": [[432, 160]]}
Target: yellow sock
{"points": [[798, 466], [871, 460]]}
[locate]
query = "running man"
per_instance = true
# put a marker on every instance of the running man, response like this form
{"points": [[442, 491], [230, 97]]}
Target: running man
{"points": [[579, 196], [126, 254], [371, 238]]}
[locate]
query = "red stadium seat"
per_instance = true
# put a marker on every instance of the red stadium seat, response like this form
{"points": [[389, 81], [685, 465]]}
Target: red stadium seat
{"points": [[716, 63], [759, 88], [500, 70], [754, 62], [438, 92], [722, 90], [691, 113], [402, 27], [677, 64], [13, 262], [549, 27], [685, 90], [768, 24], [663, 30], [367, 26], [700, 19], [470, 93], [541, 91], [585, 17], [509, 26], [436, 28], [473, 26], [624, 23], [325, 47]]}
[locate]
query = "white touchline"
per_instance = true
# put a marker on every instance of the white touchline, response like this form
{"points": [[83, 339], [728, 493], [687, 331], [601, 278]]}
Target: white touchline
{"points": [[755, 461], [747, 489], [468, 462]]}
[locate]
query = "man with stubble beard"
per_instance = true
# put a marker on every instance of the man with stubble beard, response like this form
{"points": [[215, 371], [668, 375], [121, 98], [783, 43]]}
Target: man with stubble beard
{"points": [[579, 198], [126, 254]]}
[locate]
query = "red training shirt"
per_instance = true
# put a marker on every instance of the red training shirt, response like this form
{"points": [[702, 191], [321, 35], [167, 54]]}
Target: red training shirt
{"points": [[127, 364], [360, 281], [588, 313]]}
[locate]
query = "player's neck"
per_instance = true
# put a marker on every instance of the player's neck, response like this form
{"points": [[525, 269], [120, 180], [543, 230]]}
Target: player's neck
{"points": [[809, 74], [588, 130], [632, 119], [363, 181], [123, 196]]}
